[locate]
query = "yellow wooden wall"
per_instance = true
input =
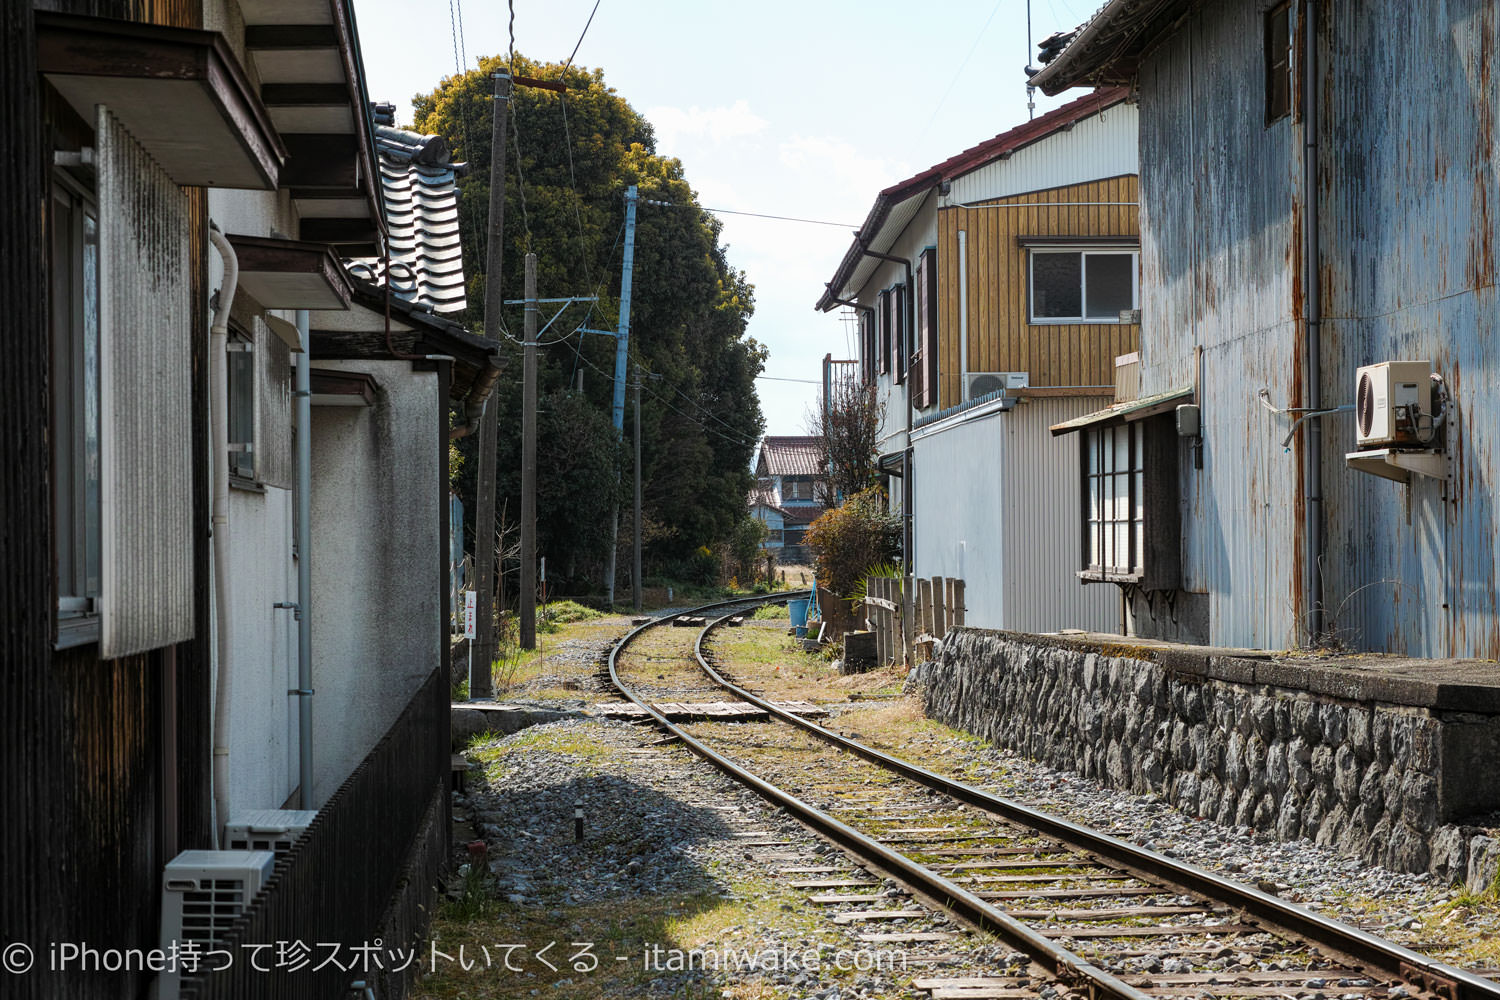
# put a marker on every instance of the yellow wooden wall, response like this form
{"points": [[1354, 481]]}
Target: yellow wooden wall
{"points": [[1000, 338]]}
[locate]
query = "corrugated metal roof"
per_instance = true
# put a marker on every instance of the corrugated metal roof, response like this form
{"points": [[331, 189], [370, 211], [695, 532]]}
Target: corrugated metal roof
{"points": [[1119, 413], [421, 196], [896, 205], [790, 456]]}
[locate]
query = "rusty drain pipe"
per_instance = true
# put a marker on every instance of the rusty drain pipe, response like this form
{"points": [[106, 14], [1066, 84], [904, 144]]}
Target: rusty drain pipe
{"points": [[1312, 529]]}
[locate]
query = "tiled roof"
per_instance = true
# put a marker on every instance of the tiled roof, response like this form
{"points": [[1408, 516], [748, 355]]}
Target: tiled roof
{"points": [[421, 198], [1109, 47], [790, 456]]}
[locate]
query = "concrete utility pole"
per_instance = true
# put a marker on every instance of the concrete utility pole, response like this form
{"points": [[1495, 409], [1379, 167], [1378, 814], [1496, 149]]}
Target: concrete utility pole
{"points": [[635, 577], [482, 654], [528, 465], [622, 349]]}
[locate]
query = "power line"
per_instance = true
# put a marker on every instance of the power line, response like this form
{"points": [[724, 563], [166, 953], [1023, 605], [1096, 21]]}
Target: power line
{"points": [[757, 215], [782, 378], [580, 37], [959, 72]]}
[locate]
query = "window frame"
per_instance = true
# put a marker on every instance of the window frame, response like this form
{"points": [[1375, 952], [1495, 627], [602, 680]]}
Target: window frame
{"points": [[1276, 47], [77, 491], [241, 383], [883, 333], [1084, 253], [1152, 519]]}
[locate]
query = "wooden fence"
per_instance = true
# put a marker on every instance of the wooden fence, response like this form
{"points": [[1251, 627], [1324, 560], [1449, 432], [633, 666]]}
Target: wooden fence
{"points": [[932, 604]]}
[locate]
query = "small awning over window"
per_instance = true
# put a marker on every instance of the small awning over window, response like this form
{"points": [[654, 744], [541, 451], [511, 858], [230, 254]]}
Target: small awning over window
{"points": [[341, 388], [1123, 413], [289, 274], [179, 91]]}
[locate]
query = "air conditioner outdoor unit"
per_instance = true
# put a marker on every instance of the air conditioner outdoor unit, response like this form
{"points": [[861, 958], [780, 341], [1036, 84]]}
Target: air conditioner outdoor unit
{"points": [[202, 893], [978, 384], [1391, 400], [267, 829]]}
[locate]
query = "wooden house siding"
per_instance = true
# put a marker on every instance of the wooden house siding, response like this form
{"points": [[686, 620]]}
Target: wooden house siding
{"points": [[105, 763], [999, 334]]}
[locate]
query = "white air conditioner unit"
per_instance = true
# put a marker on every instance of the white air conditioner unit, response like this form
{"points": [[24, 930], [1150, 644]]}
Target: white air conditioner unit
{"points": [[202, 893], [267, 829], [978, 384], [1392, 403]]}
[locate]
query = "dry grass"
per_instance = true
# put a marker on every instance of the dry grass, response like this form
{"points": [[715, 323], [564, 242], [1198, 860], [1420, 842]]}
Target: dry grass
{"points": [[766, 660]]}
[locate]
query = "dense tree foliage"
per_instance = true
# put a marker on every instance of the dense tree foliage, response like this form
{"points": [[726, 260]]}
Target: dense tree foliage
{"points": [[700, 418]]}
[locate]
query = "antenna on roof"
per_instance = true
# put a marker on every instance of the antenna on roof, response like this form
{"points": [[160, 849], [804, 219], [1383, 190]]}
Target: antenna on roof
{"points": [[1030, 70]]}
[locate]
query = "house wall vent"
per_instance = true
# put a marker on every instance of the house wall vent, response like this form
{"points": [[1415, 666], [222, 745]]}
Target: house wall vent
{"points": [[1389, 400], [978, 384], [203, 892], [267, 829]]}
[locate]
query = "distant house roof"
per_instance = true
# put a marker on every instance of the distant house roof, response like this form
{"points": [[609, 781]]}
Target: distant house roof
{"points": [[419, 180], [1108, 47], [790, 456], [898, 204]]}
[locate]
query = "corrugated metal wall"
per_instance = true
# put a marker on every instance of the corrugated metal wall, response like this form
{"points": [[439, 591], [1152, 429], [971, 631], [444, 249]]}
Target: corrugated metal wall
{"points": [[1103, 145], [1001, 336], [1043, 511], [997, 504], [1411, 202], [146, 399], [1219, 232]]}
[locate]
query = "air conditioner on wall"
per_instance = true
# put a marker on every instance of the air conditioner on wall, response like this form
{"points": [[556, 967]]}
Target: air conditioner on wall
{"points": [[267, 829], [203, 892], [978, 384], [1393, 403]]}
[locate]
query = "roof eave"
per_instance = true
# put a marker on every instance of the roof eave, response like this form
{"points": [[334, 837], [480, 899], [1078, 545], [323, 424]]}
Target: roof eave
{"points": [[1108, 48]]}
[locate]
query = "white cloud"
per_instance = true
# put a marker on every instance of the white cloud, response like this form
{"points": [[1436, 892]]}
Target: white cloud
{"points": [[842, 174], [716, 124]]}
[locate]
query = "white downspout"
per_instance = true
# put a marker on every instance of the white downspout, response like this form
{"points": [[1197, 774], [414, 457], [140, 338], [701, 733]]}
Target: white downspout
{"points": [[218, 421], [963, 315], [304, 566]]}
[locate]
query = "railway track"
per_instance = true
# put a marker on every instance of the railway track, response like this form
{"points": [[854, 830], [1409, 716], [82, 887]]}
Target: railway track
{"points": [[1093, 915]]}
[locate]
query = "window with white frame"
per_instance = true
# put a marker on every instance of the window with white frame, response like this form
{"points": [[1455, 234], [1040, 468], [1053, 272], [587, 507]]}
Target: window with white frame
{"points": [[1082, 286], [1115, 481], [73, 307]]}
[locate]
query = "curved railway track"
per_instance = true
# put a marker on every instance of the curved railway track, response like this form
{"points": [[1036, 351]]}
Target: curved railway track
{"points": [[1095, 915]]}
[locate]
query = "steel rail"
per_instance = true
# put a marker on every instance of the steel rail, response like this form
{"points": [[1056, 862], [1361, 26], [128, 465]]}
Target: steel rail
{"points": [[1068, 966], [1277, 914]]}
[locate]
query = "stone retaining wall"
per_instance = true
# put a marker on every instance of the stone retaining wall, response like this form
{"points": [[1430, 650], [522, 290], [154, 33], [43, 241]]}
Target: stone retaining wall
{"points": [[1368, 762]]}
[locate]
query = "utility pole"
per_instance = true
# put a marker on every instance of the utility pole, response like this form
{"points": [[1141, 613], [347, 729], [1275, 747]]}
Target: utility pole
{"points": [[482, 653], [528, 465], [622, 348], [635, 577]]}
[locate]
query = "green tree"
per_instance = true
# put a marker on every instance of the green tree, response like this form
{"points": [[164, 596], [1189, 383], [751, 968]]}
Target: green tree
{"points": [[700, 417]]}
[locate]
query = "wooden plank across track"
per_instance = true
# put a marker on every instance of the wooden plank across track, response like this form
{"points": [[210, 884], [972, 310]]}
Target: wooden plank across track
{"points": [[710, 711]]}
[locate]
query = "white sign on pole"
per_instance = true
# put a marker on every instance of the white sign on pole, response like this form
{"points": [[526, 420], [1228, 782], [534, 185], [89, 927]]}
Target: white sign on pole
{"points": [[469, 614]]}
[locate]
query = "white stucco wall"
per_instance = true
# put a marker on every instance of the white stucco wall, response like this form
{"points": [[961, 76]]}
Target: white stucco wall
{"points": [[261, 572], [263, 645], [377, 565]]}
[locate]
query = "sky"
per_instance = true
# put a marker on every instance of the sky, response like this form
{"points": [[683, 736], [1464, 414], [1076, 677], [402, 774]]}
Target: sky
{"points": [[802, 109]]}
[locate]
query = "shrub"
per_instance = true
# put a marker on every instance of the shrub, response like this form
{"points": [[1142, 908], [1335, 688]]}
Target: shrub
{"points": [[849, 541]]}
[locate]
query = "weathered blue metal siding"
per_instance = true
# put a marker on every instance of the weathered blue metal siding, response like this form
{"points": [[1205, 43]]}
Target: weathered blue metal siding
{"points": [[1411, 196], [1219, 224]]}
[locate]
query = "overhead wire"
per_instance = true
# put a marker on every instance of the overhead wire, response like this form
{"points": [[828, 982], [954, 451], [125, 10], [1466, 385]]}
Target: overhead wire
{"points": [[580, 37], [757, 215]]}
